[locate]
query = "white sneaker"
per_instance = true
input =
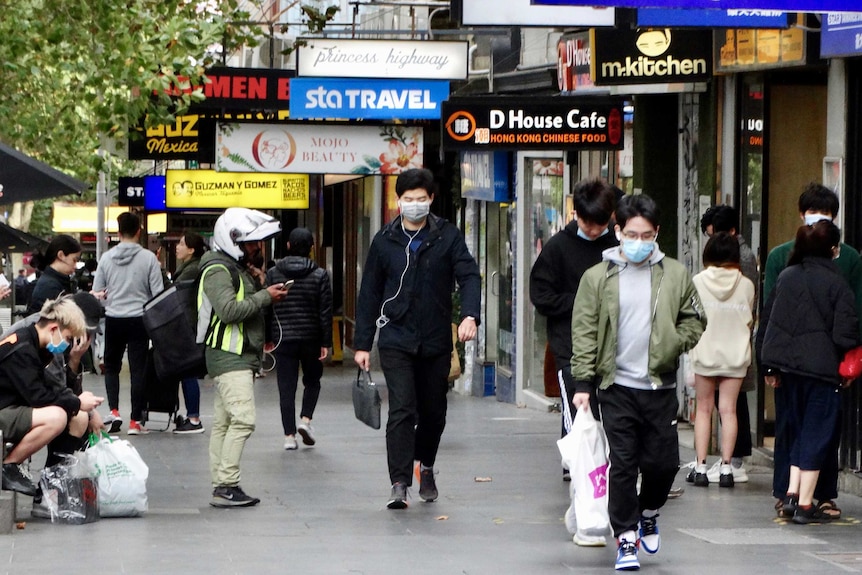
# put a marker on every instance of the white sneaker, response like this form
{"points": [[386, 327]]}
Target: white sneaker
{"points": [[290, 443], [307, 433], [740, 475], [582, 540]]}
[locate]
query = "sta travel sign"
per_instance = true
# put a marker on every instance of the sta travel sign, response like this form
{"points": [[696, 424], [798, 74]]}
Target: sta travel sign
{"points": [[498, 123], [353, 99], [785, 5]]}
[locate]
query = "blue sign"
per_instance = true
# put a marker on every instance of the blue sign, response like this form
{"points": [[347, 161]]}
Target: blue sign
{"points": [[485, 176], [154, 193], [784, 5], [361, 98], [712, 18], [841, 35]]}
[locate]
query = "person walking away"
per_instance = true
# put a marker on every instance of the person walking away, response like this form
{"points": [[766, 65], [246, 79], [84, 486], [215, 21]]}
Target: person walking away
{"points": [[130, 276], [406, 293], [189, 250], [231, 326], [557, 272], [722, 357], [816, 203], [301, 328], [57, 267], [808, 323], [634, 314]]}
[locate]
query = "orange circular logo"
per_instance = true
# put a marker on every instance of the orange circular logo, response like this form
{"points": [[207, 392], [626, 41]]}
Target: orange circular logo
{"points": [[461, 126]]}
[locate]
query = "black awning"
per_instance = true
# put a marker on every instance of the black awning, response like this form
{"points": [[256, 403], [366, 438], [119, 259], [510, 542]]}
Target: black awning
{"points": [[23, 178]]}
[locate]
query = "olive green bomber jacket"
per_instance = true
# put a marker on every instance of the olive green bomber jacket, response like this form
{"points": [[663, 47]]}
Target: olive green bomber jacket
{"points": [[678, 321]]}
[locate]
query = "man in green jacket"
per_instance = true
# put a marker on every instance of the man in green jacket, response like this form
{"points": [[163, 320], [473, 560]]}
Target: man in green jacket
{"points": [[817, 202], [231, 327], [634, 314]]}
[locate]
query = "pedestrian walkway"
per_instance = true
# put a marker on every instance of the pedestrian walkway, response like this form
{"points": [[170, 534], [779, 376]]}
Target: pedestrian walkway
{"points": [[323, 511]]}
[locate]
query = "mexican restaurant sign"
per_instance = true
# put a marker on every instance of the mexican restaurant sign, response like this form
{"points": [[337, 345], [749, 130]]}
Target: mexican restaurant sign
{"points": [[318, 148], [495, 123], [411, 59], [785, 5], [211, 189]]}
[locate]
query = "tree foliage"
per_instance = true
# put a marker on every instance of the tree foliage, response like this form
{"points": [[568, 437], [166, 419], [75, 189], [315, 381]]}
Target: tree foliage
{"points": [[77, 72]]}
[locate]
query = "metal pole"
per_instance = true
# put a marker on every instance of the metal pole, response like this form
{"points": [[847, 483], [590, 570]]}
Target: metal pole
{"points": [[101, 196]]}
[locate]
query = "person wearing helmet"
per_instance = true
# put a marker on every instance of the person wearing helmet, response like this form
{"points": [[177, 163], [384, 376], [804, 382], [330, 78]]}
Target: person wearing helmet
{"points": [[231, 326], [406, 293]]}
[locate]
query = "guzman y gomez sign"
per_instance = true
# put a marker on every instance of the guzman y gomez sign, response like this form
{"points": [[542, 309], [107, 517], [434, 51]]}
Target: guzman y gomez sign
{"points": [[409, 59], [497, 123]]}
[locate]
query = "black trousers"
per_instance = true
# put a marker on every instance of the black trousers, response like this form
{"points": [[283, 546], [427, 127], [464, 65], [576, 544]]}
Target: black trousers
{"points": [[642, 436], [417, 409], [122, 332], [288, 358]]}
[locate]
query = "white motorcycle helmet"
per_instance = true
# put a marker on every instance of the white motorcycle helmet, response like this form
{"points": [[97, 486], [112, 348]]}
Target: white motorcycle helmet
{"points": [[238, 225]]}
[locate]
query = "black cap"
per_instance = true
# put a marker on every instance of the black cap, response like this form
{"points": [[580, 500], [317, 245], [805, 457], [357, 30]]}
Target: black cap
{"points": [[300, 240], [92, 309]]}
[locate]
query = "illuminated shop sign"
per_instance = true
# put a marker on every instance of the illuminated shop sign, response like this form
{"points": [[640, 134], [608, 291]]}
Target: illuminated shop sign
{"points": [[211, 189], [841, 35], [742, 50], [675, 18], [784, 5], [650, 56], [491, 123], [350, 99]]}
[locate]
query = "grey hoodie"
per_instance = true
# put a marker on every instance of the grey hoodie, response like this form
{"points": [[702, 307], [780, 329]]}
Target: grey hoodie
{"points": [[131, 275]]}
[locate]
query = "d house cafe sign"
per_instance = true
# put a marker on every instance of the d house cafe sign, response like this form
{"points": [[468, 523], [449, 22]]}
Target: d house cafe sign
{"points": [[489, 123], [650, 56]]}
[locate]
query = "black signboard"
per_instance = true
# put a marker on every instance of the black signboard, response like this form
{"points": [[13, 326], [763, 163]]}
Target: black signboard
{"points": [[130, 192], [238, 89], [190, 137], [650, 56], [561, 123]]}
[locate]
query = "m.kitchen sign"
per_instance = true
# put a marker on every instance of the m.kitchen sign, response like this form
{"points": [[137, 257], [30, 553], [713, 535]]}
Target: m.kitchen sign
{"points": [[498, 123], [650, 56]]}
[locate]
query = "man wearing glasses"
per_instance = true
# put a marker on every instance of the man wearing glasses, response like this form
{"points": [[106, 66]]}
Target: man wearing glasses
{"points": [[634, 314]]}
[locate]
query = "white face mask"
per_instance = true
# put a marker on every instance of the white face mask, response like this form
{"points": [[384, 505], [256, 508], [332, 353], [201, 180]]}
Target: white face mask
{"points": [[415, 212], [811, 219]]}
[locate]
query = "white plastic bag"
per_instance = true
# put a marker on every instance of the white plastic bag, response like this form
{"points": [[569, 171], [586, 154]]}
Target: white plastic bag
{"points": [[585, 453], [121, 475]]}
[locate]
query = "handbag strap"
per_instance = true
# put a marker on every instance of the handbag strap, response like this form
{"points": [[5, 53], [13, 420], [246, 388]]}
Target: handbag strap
{"points": [[359, 375]]}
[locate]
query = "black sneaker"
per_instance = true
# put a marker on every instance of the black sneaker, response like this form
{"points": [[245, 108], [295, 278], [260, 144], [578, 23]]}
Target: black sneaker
{"points": [[725, 479], [187, 427], [16, 480], [427, 484], [398, 497], [701, 480], [232, 496]]}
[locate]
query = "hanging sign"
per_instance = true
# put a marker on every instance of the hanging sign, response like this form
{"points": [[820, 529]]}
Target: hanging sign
{"points": [[496, 123], [211, 189], [366, 99]]}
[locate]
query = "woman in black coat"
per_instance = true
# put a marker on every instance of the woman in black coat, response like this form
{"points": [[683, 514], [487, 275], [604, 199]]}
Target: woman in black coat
{"points": [[807, 325], [57, 267]]}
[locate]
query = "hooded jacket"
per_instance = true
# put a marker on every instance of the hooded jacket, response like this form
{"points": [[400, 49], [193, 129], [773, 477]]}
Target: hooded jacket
{"points": [[305, 315], [728, 299], [419, 309], [554, 281], [131, 275], [676, 316], [809, 321]]}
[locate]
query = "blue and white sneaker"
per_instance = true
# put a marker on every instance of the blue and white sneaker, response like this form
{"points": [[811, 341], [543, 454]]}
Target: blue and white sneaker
{"points": [[627, 556], [650, 538]]}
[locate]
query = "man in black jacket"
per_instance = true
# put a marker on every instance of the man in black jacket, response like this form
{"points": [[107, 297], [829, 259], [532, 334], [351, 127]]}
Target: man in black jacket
{"points": [[406, 292], [301, 329], [557, 273]]}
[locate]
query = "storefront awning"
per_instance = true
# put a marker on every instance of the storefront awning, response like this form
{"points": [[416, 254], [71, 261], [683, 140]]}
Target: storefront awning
{"points": [[23, 178]]}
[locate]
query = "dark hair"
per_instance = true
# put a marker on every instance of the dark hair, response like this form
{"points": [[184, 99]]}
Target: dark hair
{"points": [[722, 250], [196, 243], [60, 243], [814, 241], [595, 201], [128, 224], [818, 198], [413, 179], [640, 205], [91, 265], [724, 219], [300, 241]]}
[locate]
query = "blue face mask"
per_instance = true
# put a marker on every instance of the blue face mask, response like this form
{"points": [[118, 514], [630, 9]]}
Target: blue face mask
{"points": [[637, 251], [581, 234], [57, 347]]}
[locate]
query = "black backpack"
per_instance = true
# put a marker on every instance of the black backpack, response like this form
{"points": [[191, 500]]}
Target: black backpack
{"points": [[170, 319]]}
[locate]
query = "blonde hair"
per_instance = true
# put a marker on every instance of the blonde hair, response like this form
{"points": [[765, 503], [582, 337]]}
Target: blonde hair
{"points": [[66, 313]]}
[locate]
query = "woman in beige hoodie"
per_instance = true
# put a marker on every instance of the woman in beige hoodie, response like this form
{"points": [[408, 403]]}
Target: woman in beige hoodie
{"points": [[723, 354]]}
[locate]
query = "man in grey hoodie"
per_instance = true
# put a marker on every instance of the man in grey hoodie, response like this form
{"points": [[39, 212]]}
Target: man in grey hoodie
{"points": [[130, 276]]}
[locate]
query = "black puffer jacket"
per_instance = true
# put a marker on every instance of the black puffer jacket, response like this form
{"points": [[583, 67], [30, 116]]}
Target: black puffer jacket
{"points": [[421, 315], [49, 286], [305, 315], [809, 321]]}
